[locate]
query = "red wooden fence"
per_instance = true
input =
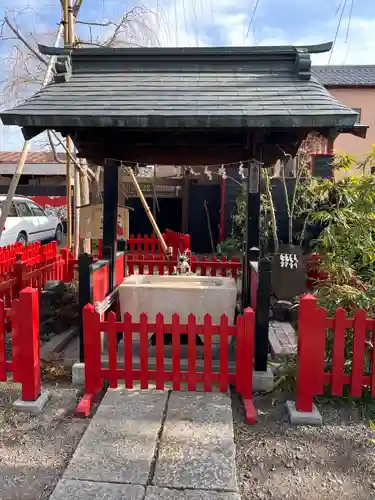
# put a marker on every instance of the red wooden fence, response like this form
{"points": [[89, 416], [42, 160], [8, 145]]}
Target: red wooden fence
{"points": [[203, 266], [23, 315], [32, 265], [149, 245], [123, 369], [312, 372]]}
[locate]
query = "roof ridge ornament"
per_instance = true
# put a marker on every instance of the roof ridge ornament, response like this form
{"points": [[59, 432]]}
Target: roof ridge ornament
{"points": [[303, 63], [63, 69]]}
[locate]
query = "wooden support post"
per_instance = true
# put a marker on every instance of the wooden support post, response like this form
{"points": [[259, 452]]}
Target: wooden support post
{"points": [[251, 251], [262, 315], [84, 294], [110, 203]]}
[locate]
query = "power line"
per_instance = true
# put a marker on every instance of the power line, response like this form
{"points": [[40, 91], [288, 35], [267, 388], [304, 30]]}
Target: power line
{"points": [[343, 3], [348, 32], [252, 19]]}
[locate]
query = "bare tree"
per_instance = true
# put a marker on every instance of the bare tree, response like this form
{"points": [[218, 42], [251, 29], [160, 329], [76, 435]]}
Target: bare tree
{"points": [[24, 66]]}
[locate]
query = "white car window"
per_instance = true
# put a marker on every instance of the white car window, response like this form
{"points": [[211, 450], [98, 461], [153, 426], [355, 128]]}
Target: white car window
{"points": [[12, 210], [24, 209], [36, 210]]}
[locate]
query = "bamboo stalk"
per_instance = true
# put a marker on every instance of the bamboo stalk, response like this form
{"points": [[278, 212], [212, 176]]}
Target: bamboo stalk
{"points": [[148, 211], [67, 37]]}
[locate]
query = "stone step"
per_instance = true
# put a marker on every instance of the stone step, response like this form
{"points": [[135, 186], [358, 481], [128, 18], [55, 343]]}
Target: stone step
{"points": [[283, 340], [155, 445]]}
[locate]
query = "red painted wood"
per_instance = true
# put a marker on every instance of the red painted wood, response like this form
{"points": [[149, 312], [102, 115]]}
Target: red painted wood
{"points": [[250, 412], [100, 283], [169, 375], [319, 348], [358, 353], [159, 351], [224, 340], [112, 349], [128, 350], [192, 354], [305, 363], [207, 339], [248, 354], [120, 269], [93, 349], [239, 353], [373, 364], [176, 365], [83, 408], [143, 341], [338, 353], [16, 342], [151, 326], [3, 370], [28, 336]]}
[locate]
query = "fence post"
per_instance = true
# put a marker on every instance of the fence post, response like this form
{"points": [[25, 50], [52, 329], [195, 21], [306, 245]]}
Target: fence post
{"points": [[246, 331], [84, 295], [65, 253], [18, 272], [306, 369], [28, 348], [93, 350], [262, 315]]}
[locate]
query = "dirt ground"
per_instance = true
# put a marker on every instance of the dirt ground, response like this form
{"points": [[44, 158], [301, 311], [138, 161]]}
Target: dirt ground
{"points": [[276, 460], [34, 450]]}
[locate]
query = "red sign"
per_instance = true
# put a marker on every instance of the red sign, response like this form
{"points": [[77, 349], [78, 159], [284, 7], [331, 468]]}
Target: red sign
{"points": [[54, 204]]}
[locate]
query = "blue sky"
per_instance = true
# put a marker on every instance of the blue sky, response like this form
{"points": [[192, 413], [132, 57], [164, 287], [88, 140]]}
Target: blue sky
{"points": [[217, 22]]}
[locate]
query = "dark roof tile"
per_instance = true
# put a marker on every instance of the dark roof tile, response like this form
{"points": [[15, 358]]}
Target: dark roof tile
{"points": [[345, 76], [205, 87]]}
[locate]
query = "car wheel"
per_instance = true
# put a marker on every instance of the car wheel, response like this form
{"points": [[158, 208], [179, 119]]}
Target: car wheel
{"points": [[59, 235], [22, 238]]}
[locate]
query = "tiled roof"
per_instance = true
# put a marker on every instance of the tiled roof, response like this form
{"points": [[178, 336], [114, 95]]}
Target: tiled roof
{"points": [[214, 87], [32, 157], [362, 76]]}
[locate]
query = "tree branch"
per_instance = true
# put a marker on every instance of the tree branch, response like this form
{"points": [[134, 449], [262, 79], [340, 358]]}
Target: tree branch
{"points": [[24, 41]]}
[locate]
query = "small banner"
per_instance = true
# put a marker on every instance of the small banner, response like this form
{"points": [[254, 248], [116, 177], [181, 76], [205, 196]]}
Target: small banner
{"points": [[288, 273]]}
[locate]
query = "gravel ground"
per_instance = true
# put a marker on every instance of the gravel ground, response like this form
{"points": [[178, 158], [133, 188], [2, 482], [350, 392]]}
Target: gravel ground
{"points": [[34, 450], [278, 461]]}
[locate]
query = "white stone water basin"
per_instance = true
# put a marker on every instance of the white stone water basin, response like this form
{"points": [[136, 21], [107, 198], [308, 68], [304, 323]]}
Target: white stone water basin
{"points": [[184, 295]]}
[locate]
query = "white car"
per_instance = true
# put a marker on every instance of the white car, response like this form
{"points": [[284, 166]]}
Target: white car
{"points": [[28, 222]]}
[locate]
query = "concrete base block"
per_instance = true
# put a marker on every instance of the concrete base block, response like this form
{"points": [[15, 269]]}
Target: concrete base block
{"points": [[302, 417], [32, 406], [78, 374], [263, 381]]}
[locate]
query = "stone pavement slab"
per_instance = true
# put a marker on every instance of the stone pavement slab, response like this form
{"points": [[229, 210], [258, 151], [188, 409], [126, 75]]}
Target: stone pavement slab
{"points": [[120, 442], [68, 489], [155, 493], [197, 448]]}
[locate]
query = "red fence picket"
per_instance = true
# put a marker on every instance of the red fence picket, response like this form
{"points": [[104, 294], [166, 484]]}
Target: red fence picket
{"points": [[312, 371], [121, 365], [23, 315]]}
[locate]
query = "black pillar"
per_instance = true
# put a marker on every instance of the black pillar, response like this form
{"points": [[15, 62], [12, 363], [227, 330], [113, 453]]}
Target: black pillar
{"points": [[84, 294], [262, 315], [110, 202], [251, 247]]}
